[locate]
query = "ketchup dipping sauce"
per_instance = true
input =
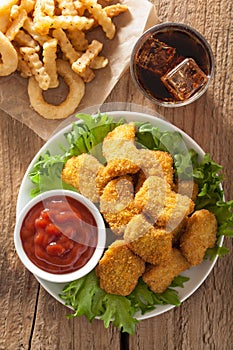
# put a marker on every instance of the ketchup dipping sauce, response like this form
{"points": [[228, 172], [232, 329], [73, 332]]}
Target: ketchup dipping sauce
{"points": [[59, 233]]}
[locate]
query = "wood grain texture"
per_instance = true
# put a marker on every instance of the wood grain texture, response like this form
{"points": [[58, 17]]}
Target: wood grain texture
{"points": [[30, 318]]}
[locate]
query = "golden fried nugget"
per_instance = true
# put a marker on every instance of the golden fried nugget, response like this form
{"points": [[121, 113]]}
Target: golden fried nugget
{"points": [[119, 143], [119, 269], [200, 234], [156, 163], [114, 168], [80, 172], [178, 231], [159, 277], [151, 244], [151, 197], [116, 203], [140, 178], [165, 207], [188, 188]]}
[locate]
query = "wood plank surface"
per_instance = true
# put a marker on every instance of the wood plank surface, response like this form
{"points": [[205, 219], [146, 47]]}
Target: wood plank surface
{"points": [[29, 317]]}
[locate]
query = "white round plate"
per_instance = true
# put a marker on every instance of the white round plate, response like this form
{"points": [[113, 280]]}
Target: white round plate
{"points": [[196, 274]]}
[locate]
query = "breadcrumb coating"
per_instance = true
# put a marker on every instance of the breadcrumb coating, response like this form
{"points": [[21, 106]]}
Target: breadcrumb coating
{"points": [[153, 245], [165, 207], [114, 168], [159, 277], [200, 234], [156, 163], [119, 143], [80, 172], [187, 188], [116, 203], [119, 269]]}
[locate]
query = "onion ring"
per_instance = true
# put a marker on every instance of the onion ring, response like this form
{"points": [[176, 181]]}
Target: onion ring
{"points": [[67, 107], [9, 56]]}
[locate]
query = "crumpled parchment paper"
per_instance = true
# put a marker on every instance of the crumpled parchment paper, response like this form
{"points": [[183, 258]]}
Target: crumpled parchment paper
{"points": [[130, 25]]}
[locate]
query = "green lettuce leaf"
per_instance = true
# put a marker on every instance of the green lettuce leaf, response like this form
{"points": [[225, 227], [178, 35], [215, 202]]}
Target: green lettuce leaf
{"points": [[83, 137], [85, 295], [87, 298], [87, 137]]}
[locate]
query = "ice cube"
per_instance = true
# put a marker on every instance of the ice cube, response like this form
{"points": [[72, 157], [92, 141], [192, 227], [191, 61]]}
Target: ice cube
{"points": [[156, 56], [185, 79]]}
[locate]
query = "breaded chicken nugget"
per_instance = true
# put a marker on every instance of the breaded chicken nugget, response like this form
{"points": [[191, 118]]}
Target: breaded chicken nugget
{"points": [[156, 163], [152, 245], [119, 143], [80, 172], [200, 234], [114, 168], [165, 207], [159, 277], [116, 203], [188, 188], [150, 199], [119, 269]]}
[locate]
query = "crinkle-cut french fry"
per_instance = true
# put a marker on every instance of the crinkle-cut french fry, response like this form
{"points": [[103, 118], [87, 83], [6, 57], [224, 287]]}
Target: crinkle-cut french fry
{"points": [[101, 17], [24, 39], [78, 39], [30, 28], [43, 24], [38, 10], [5, 5], [23, 67], [67, 7], [14, 12], [99, 62], [80, 65], [80, 8], [48, 7], [49, 60], [115, 10], [36, 67], [16, 25], [88, 75], [70, 53], [9, 57], [4, 21], [28, 5]]}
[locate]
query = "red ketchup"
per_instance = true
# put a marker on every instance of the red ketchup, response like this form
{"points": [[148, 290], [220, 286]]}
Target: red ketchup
{"points": [[59, 234]]}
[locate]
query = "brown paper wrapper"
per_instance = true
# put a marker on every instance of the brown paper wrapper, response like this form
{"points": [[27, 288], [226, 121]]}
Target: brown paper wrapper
{"points": [[130, 25]]}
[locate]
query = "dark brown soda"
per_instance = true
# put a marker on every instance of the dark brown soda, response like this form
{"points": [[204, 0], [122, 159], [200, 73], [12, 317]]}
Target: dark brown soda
{"points": [[186, 46]]}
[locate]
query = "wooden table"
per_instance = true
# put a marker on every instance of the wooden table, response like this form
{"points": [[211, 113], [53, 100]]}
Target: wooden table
{"points": [[30, 318]]}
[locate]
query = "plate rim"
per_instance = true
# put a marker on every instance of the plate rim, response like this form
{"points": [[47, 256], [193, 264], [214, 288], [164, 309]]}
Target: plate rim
{"points": [[126, 114]]}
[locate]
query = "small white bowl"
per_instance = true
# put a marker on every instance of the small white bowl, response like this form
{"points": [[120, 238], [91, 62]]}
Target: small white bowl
{"points": [[91, 263]]}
